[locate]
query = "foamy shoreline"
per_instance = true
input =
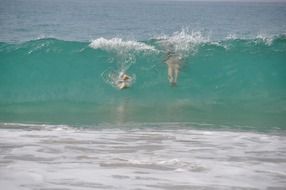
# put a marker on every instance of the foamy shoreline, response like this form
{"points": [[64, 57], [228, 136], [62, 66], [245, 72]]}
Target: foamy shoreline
{"points": [[63, 157]]}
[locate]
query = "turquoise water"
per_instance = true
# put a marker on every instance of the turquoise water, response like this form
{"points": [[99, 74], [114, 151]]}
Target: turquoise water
{"points": [[234, 81], [60, 59]]}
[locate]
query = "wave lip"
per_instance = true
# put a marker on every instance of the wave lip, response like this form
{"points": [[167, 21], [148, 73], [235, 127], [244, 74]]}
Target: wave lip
{"points": [[118, 43]]}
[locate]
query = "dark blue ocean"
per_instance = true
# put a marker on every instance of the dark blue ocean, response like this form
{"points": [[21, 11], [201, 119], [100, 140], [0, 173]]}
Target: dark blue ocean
{"points": [[203, 106]]}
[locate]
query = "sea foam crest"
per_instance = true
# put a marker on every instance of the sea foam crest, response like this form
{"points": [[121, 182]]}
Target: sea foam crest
{"points": [[183, 42], [265, 39], [119, 44]]}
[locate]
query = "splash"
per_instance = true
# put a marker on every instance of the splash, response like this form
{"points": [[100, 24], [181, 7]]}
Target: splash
{"points": [[182, 43]]}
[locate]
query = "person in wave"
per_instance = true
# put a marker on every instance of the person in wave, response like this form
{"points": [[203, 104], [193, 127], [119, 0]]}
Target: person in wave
{"points": [[174, 63], [123, 81]]}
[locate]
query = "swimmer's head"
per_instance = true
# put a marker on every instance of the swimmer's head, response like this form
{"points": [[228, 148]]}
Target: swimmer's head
{"points": [[125, 77]]}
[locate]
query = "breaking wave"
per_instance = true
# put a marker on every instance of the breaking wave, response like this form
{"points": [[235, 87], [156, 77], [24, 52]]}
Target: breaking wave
{"points": [[217, 79]]}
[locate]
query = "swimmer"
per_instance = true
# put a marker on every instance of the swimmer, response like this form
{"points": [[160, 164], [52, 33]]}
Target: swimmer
{"points": [[173, 62], [123, 81]]}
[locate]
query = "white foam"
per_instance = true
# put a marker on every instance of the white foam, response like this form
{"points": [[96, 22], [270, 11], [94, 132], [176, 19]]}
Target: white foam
{"points": [[265, 39], [183, 42], [167, 162], [36, 126], [138, 156], [261, 37], [120, 44]]}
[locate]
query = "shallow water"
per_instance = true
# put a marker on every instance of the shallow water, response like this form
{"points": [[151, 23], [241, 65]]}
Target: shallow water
{"points": [[148, 156]]}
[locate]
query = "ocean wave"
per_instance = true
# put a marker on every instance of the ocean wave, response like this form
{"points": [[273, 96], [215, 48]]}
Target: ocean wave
{"points": [[247, 75]]}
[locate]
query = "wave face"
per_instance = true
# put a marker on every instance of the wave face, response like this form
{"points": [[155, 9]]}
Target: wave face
{"points": [[234, 80]]}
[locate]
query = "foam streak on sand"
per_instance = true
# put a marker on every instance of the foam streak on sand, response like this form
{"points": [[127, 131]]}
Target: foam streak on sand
{"points": [[166, 156]]}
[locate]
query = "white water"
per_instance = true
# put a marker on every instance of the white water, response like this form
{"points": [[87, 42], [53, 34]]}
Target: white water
{"points": [[166, 156], [118, 44]]}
